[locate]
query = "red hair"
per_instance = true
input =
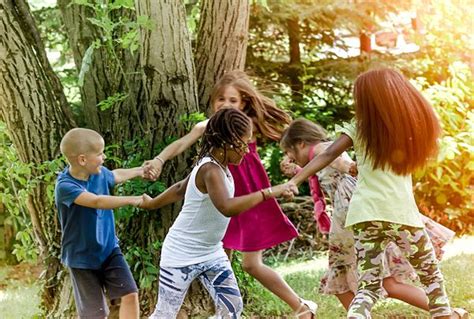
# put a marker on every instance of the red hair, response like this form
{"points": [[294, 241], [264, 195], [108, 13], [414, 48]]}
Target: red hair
{"points": [[395, 123], [267, 117]]}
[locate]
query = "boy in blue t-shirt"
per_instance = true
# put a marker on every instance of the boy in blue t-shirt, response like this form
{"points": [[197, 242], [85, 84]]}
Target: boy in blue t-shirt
{"points": [[89, 246]]}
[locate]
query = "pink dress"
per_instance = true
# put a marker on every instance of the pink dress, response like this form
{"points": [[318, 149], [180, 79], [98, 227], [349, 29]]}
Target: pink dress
{"points": [[264, 225]]}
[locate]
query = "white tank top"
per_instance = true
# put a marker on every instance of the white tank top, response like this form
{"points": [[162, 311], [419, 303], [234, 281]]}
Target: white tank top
{"points": [[197, 233]]}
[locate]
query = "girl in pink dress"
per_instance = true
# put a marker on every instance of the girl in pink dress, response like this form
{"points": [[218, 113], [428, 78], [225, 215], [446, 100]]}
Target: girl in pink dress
{"points": [[265, 225]]}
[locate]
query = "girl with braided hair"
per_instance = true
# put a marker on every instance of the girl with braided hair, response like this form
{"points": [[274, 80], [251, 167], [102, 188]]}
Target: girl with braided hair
{"points": [[192, 248], [263, 226]]}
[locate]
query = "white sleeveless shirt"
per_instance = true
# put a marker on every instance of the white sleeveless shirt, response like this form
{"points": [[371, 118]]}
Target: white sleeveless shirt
{"points": [[196, 234]]}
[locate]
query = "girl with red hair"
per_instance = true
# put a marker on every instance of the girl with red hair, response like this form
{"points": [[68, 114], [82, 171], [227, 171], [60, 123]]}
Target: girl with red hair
{"points": [[395, 132]]}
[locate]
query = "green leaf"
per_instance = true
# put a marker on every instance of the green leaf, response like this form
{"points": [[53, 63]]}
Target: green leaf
{"points": [[86, 63]]}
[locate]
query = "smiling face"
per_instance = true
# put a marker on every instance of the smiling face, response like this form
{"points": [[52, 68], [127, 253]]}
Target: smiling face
{"points": [[94, 158], [228, 98]]}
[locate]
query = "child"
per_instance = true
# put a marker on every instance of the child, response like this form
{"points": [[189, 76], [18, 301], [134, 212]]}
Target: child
{"points": [[89, 247], [302, 141], [395, 132], [264, 225], [192, 248]]}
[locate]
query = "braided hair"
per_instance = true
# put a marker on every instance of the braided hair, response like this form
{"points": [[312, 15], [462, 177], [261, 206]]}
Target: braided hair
{"points": [[225, 128]]}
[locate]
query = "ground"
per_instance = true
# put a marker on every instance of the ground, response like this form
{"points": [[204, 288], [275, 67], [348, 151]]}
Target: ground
{"points": [[19, 288]]}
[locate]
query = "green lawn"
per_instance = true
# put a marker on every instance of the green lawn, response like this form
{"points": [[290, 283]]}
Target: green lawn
{"points": [[304, 277], [19, 295]]}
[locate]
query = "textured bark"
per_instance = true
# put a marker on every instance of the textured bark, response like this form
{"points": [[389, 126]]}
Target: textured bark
{"points": [[111, 71], [294, 69], [170, 91], [221, 43], [32, 106]]}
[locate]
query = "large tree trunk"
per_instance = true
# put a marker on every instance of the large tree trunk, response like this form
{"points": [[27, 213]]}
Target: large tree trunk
{"points": [[112, 70], [221, 43], [33, 107], [170, 92]]}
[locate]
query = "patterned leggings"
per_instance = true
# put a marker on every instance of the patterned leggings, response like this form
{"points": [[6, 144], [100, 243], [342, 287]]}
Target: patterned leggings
{"points": [[371, 239], [216, 276]]}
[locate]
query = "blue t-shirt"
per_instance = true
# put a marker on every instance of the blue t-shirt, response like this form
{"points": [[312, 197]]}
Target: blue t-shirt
{"points": [[88, 234]]}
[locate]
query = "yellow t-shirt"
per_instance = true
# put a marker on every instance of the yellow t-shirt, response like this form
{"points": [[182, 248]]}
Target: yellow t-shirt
{"points": [[380, 195]]}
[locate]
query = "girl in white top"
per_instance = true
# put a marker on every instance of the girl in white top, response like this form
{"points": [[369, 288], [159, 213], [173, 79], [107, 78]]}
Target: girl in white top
{"points": [[193, 248]]}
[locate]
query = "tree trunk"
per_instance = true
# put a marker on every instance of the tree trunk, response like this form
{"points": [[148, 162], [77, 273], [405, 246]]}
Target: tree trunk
{"points": [[294, 68], [112, 70], [221, 43], [170, 92], [32, 106]]}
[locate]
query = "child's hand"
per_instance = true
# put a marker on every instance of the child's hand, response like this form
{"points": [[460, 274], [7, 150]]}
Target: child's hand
{"points": [[287, 191], [288, 167], [152, 169], [353, 170], [145, 202]]}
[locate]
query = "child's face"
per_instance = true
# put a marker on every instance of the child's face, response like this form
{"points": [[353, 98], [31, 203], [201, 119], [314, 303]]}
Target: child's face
{"points": [[298, 154], [235, 155], [229, 98], [93, 160]]}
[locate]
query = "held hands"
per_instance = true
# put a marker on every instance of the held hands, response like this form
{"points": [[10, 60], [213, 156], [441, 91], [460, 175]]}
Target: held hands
{"points": [[288, 167], [152, 169], [145, 202], [287, 191]]}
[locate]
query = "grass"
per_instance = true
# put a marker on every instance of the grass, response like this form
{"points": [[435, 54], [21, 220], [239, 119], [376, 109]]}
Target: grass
{"points": [[304, 278], [19, 293]]}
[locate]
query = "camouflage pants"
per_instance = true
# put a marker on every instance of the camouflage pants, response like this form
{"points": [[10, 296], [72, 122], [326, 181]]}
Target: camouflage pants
{"points": [[371, 239]]}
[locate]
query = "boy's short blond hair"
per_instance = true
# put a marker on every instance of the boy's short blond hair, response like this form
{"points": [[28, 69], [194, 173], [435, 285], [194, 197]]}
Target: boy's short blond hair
{"points": [[79, 141]]}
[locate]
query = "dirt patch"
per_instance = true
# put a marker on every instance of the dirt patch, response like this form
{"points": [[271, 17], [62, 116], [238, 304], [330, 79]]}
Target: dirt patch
{"points": [[24, 273]]}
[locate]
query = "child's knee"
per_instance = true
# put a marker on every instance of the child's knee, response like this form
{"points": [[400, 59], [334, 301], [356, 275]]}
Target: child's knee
{"points": [[131, 298]]}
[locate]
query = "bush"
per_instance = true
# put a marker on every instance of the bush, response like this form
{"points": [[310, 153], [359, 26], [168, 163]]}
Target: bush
{"points": [[444, 190]]}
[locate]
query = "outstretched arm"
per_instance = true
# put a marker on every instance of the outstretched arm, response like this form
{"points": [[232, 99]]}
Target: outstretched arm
{"points": [[154, 167], [92, 200], [171, 195], [323, 159], [229, 205], [124, 174]]}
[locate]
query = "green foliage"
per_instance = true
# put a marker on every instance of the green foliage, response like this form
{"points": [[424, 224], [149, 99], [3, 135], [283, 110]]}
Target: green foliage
{"points": [[14, 179], [445, 188], [17, 181], [189, 120]]}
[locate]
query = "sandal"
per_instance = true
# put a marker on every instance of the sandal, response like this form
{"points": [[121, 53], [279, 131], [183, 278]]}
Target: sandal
{"points": [[311, 305], [462, 313]]}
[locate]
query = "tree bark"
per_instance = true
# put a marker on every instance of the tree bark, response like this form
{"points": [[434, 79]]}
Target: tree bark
{"points": [[32, 106], [221, 43], [169, 92], [112, 70]]}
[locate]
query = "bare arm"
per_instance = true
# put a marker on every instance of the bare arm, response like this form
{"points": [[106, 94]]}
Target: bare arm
{"points": [[153, 167], [323, 159], [342, 163], [228, 205], [124, 174], [171, 195], [92, 200]]}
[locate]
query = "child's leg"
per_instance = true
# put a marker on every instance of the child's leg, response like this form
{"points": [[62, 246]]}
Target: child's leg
{"points": [[345, 299], [369, 245], [173, 284], [119, 284], [89, 293], [415, 244], [410, 294], [129, 306], [220, 281], [252, 263]]}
